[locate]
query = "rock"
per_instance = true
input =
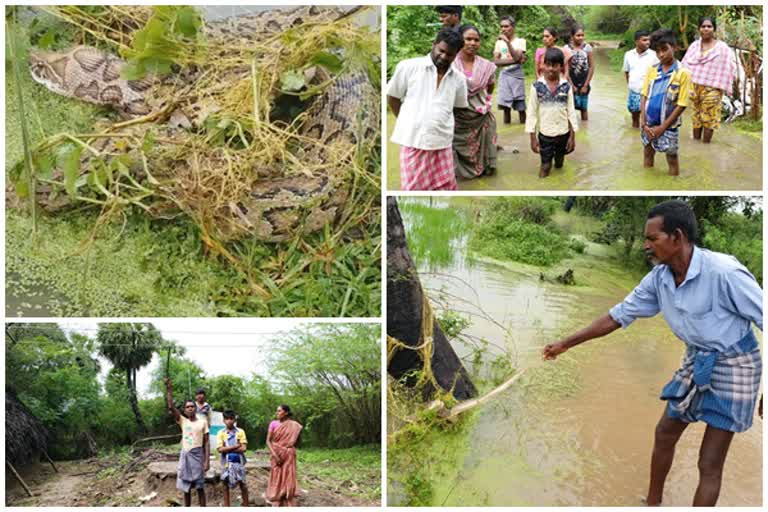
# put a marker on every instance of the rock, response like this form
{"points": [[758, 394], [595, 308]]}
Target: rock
{"points": [[257, 501], [148, 496]]}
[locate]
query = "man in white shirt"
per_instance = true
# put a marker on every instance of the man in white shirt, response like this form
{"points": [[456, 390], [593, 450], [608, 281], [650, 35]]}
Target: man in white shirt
{"points": [[636, 64], [422, 94]]}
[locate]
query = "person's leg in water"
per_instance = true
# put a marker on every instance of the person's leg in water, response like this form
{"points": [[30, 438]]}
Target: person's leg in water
{"points": [[507, 115], [648, 155], [560, 152], [674, 165], [668, 432], [635, 119], [244, 493], [707, 135], [714, 448]]}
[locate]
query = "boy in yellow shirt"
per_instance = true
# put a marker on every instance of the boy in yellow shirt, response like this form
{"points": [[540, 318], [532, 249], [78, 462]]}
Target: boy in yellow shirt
{"points": [[666, 92], [232, 445]]}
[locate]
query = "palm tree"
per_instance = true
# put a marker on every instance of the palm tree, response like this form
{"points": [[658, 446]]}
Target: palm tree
{"points": [[129, 346]]}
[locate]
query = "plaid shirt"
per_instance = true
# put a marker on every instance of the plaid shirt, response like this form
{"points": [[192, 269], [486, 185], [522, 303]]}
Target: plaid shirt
{"points": [[715, 68]]}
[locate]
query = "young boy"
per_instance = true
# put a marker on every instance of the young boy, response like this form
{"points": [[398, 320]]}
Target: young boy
{"points": [[636, 64], [551, 118], [194, 460], [232, 445], [666, 92], [423, 93]]}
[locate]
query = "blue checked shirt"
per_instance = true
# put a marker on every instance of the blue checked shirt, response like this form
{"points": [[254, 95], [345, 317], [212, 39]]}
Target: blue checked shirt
{"points": [[711, 310]]}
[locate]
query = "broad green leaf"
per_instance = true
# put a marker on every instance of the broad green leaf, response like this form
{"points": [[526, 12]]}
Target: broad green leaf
{"points": [[329, 61], [43, 166], [69, 163], [188, 21], [292, 81]]}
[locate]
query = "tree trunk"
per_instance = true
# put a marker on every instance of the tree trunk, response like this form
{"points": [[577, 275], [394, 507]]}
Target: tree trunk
{"points": [[131, 377], [404, 316]]}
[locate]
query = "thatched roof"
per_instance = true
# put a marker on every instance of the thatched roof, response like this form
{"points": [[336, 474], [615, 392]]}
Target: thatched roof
{"points": [[25, 435]]}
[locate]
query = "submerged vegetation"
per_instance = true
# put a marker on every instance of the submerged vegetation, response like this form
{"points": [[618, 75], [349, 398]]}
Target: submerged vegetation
{"points": [[115, 253]]}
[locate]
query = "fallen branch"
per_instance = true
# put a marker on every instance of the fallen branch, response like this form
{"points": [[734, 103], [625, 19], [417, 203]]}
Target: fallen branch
{"points": [[451, 414], [18, 477]]}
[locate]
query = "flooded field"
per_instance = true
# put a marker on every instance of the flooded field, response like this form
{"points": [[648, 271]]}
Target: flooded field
{"points": [[609, 152], [579, 430]]}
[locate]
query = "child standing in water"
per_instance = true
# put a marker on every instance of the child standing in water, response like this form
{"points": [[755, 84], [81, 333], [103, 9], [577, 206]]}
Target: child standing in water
{"points": [[580, 69], [666, 92], [551, 118], [636, 64]]}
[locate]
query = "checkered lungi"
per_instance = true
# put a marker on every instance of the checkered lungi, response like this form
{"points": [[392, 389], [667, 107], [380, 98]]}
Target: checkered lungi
{"points": [[425, 169], [718, 388]]}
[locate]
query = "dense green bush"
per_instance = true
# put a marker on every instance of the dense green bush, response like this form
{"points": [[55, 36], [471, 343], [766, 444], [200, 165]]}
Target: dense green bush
{"points": [[740, 236]]}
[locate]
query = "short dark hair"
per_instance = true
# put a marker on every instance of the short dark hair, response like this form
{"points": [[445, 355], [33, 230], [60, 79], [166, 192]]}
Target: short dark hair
{"points": [[510, 19], [188, 401], [662, 36], [576, 28], [554, 56], [200, 391], [702, 19], [449, 9], [450, 37], [229, 414], [676, 214], [641, 33], [552, 31], [469, 26], [286, 409]]}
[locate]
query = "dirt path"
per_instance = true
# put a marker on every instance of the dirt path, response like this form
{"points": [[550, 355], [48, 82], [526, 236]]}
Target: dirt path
{"points": [[81, 483], [608, 153]]}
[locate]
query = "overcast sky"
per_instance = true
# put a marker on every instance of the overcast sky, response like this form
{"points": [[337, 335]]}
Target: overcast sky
{"points": [[220, 346]]}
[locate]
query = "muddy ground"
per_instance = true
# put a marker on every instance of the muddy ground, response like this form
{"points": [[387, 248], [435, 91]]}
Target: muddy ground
{"points": [[101, 482]]}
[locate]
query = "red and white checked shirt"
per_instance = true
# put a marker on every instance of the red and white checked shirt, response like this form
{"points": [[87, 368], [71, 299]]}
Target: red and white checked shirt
{"points": [[716, 68]]}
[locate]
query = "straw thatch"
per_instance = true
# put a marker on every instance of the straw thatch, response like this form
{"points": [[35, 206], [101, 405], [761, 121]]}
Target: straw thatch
{"points": [[25, 436]]}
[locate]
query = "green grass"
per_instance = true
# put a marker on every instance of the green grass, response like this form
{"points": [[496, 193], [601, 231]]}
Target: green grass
{"points": [[432, 231], [142, 267], [598, 36], [346, 469], [748, 125], [616, 59]]}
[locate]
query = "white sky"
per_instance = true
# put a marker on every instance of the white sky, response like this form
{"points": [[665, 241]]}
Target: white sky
{"points": [[220, 346]]}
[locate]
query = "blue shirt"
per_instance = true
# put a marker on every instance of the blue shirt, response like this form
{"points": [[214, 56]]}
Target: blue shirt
{"points": [[712, 309]]}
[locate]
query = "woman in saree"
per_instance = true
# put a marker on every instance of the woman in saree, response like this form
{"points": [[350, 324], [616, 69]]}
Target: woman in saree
{"points": [[282, 436], [712, 72], [474, 137]]}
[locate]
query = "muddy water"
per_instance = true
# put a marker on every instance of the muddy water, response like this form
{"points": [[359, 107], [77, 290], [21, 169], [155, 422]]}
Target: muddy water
{"points": [[608, 153], [577, 431]]}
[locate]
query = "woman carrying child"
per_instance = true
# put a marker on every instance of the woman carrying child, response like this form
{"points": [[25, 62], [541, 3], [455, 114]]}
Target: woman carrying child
{"points": [[580, 69], [712, 71], [474, 138]]}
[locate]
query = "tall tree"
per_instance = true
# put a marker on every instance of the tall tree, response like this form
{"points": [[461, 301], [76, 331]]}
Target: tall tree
{"points": [[129, 347]]}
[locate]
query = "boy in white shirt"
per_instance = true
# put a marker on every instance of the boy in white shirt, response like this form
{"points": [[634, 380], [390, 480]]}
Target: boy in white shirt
{"points": [[636, 64], [423, 93]]}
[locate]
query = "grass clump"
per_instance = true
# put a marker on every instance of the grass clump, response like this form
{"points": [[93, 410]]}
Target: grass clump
{"points": [[520, 229], [433, 231], [354, 471]]}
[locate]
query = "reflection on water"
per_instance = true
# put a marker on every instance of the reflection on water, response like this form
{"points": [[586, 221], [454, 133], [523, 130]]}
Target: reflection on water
{"points": [[577, 431]]}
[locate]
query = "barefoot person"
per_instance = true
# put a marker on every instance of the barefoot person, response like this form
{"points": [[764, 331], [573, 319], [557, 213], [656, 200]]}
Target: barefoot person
{"points": [[232, 445], [666, 93], [712, 72], [282, 436], [423, 94], [509, 55], [709, 301], [474, 136], [551, 120], [194, 459], [636, 64], [580, 69]]}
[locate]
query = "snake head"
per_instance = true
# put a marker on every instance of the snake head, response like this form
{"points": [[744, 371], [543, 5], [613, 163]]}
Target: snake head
{"points": [[47, 68]]}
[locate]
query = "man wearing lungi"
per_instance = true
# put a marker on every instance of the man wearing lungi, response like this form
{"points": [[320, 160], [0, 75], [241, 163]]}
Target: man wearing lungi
{"points": [[709, 301], [422, 94], [194, 459]]}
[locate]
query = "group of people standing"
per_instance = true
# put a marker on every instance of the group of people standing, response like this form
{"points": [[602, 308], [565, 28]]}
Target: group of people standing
{"points": [[443, 102], [194, 419]]}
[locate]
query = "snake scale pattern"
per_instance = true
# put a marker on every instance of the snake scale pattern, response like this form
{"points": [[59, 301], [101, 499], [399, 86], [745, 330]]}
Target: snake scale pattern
{"points": [[275, 206]]}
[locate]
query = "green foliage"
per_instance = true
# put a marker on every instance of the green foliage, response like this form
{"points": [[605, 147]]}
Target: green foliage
{"points": [[520, 229], [577, 245], [453, 323], [332, 375], [173, 35], [359, 467], [740, 236], [432, 233]]}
